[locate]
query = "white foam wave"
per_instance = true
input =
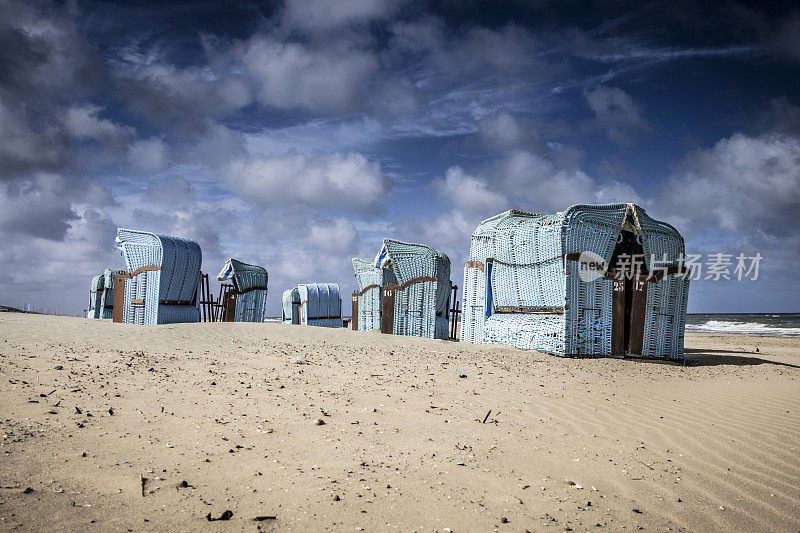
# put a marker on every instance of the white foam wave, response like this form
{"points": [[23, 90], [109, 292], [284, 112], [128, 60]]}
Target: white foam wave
{"points": [[742, 328]]}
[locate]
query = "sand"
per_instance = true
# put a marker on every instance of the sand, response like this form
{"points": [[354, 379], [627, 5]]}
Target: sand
{"points": [[139, 428]]}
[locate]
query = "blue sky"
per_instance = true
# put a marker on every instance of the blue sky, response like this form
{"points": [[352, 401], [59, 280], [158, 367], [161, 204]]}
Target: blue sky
{"points": [[297, 135]]}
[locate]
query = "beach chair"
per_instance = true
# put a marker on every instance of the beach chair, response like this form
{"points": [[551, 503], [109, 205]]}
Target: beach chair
{"points": [[161, 287], [107, 300], [556, 283], [320, 305], [247, 302], [367, 301], [291, 306], [418, 304], [313, 304], [95, 296]]}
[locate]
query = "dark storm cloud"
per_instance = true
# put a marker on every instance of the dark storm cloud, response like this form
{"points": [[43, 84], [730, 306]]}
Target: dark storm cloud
{"points": [[44, 63]]}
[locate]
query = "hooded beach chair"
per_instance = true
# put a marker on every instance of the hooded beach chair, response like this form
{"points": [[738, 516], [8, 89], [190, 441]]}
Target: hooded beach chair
{"points": [[418, 304], [291, 306], [161, 287], [320, 305], [95, 296], [557, 283], [247, 302], [313, 304], [367, 300]]}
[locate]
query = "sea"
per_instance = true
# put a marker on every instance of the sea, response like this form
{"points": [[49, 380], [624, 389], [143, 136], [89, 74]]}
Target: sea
{"points": [[767, 324]]}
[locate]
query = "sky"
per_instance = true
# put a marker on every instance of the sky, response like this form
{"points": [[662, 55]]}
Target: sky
{"points": [[297, 135]]}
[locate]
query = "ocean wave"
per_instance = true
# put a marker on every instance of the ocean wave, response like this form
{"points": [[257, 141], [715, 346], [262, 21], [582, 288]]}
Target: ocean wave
{"points": [[742, 328]]}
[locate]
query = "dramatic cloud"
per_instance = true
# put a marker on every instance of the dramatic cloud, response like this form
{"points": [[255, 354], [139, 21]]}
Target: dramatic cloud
{"points": [[45, 63], [616, 113], [42, 195], [42, 54], [22, 149], [476, 50], [333, 77], [780, 117], [163, 92], [503, 132], [83, 123], [149, 155], [469, 193], [333, 236], [743, 184], [315, 15], [324, 182]]}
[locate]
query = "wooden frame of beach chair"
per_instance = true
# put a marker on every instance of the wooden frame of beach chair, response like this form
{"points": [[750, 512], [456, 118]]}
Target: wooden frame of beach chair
{"points": [[526, 283]]}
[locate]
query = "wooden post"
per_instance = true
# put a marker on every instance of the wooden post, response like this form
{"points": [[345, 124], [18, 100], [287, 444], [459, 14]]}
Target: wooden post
{"points": [[455, 310], [119, 297], [388, 294], [354, 316], [209, 301], [229, 307], [618, 317], [638, 310]]}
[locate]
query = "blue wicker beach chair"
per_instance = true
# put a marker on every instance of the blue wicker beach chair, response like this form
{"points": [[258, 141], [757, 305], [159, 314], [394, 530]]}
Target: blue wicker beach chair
{"points": [[247, 302], [291, 306], [422, 293], [95, 296], [162, 285], [556, 283], [320, 305], [368, 298]]}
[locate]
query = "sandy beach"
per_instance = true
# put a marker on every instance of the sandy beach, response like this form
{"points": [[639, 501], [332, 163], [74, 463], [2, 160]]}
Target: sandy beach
{"points": [[115, 427]]}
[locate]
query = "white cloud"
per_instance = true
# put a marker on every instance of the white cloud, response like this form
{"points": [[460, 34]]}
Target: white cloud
{"points": [[22, 148], [290, 75], [475, 50], [335, 236], [527, 181], [332, 14], [616, 112], [502, 131], [148, 154], [36, 206], [324, 182], [317, 136], [83, 122], [742, 184], [468, 193], [164, 92]]}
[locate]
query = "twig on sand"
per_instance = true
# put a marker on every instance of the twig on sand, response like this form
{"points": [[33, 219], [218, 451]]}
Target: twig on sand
{"points": [[143, 480], [485, 418]]}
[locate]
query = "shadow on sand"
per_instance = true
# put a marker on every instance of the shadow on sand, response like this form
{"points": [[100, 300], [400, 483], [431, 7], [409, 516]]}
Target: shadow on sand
{"points": [[703, 357]]}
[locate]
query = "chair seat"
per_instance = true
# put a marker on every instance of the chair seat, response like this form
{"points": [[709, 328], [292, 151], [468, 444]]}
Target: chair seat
{"points": [[527, 331]]}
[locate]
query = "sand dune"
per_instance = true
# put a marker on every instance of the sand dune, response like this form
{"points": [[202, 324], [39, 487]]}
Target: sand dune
{"points": [[104, 422]]}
